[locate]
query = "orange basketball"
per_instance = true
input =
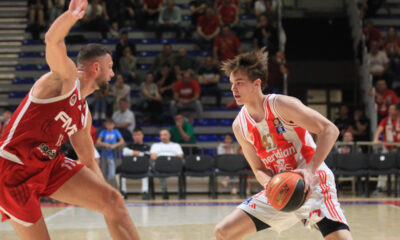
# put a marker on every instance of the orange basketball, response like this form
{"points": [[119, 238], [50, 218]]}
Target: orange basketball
{"points": [[285, 191]]}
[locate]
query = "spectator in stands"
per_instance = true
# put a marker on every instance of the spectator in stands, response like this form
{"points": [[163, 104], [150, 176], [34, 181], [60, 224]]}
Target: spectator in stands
{"points": [[197, 8], [265, 35], [133, 12], [383, 98], [186, 95], [109, 140], [378, 61], [165, 148], [128, 67], [348, 146], [5, 119], [277, 72], [228, 14], [268, 9], [122, 44], [99, 104], [392, 47], [152, 100], [166, 56], [372, 34], [137, 148], [209, 76], [208, 27], [182, 131], [360, 126], [55, 9], [124, 120], [369, 8], [218, 3], [226, 45], [344, 121], [165, 80], [169, 20], [36, 12], [151, 10], [120, 90], [95, 19], [229, 147], [183, 62]]}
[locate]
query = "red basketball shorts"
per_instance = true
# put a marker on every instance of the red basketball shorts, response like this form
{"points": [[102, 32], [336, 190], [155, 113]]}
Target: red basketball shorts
{"points": [[21, 187]]}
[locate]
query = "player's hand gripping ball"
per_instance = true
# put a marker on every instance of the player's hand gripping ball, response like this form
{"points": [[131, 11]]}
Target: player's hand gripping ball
{"points": [[285, 191]]}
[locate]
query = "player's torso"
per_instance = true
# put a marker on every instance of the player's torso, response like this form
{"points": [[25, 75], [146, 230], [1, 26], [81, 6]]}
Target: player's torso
{"points": [[280, 145], [39, 127]]}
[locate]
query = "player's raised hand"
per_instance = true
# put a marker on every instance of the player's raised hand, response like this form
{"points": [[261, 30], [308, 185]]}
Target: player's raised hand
{"points": [[77, 8]]}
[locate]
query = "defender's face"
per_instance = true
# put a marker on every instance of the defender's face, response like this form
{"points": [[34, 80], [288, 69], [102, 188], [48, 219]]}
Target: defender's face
{"points": [[105, 71], [242, 88]]}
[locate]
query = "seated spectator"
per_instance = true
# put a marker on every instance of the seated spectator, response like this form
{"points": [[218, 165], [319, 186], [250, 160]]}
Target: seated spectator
{"points": [[344, 121], [122, 44], [99, 105], [226, 45], [137, 148], [182, 132], [165, 148], [197, 8], [378, 61], [109, 140], [383, 98], [133, 12], [111, 11], [208, 27], [36, 13], [124, 120], [186, 95], [372, 34], [152, 100], [165, 57], [169, 20], [228, 14], [183, 62], [218, 3], [5, 119], [348, 146], [165, 80], [392, 47], [228, 146], [360, 126], [277, 72], [265, 35], [128, 67], [268, 9], [209, 76], [151, 9], [94, 19], [55, 9], [120, 90]]}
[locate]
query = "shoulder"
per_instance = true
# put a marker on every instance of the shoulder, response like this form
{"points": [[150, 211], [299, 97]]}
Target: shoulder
{"points": [[236, 124]]}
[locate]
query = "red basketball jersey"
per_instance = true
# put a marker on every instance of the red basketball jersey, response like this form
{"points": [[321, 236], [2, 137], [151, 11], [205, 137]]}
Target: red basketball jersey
{"points": [[280, 145], [39, 127]]}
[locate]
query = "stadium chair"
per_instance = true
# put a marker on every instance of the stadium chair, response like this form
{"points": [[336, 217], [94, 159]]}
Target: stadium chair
{"points": [[168, 166], [352, 165], [383, 164], [133, 168], [330, 161], [200, 166], [232, 165]]}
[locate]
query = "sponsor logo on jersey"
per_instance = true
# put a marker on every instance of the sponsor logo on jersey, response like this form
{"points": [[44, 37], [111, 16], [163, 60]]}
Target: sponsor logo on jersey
{"points": [[45, 150], [279, 126], [279, 154], [69, 128], [72, 100]]}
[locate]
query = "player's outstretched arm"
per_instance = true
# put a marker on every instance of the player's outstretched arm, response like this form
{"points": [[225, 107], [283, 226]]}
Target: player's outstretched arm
{"points": [[259, 170], [56, 52]]}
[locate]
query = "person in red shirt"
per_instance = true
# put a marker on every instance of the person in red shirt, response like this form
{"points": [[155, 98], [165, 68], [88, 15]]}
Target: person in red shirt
{"points": [[372, 34], [383, 98], [228, 13], [226, 45], [151, 10], [186, 95], [208, 27]]}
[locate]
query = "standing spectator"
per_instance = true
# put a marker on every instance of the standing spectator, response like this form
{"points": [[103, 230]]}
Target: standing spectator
{"points": [[197, 8], [55, 9], [209, 76], [344, 121], [124, 120], [122, 44], [36, 12], [208, 27], [151, 10], [372, 34], [137, 148], [5, 119], [109, 140], [265, 35], [169, 19], [165, 148], [277, 72], [166, 56], [165, 80], [378, 61], [152, 100], [226, 45], [120, 90], [94, 19], [128, 66], [183, 62], [383, 98], [360, 126], [186, 95], [228, 14], [182, 131]]}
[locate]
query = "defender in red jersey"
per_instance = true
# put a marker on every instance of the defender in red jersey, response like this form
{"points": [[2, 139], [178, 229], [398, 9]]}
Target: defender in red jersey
{"points": [[54, 110], [273, 131]]}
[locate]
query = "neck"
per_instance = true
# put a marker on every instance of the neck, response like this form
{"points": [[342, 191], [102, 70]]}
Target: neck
{"points": [[85, 87], [255, 107]]}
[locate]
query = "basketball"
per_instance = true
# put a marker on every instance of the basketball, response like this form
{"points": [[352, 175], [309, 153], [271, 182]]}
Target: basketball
{"points": [[285, 191]]}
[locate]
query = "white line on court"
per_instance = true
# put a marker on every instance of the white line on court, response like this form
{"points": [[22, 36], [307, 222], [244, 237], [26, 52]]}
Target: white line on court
{"points": [[49, 218]]}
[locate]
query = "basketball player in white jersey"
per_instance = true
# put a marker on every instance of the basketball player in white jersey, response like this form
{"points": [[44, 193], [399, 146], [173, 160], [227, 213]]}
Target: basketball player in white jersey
{"points": [[273, 131], [54, 110]]}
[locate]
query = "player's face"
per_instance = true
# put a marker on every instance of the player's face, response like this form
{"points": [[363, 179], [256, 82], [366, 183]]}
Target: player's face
{"points": [[138, 137], [105, 72], [242, 88]]}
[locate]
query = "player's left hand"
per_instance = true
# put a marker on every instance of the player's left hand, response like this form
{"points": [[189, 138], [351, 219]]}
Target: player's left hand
{"points": [[308, 180]]}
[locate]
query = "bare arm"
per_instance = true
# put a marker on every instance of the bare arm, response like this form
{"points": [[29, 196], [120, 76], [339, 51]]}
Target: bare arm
{"points": [[377, 134]]}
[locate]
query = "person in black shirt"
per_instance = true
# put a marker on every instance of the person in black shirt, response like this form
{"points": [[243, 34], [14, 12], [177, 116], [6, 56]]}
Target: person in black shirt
{"points": [[122, 44], [165, 79], [266, 35], [209, 76], [344, 121]]}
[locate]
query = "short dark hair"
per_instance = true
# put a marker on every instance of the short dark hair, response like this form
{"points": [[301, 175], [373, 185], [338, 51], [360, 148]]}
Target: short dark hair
{"points": [[91, 51], [254, 64], [138, 129], [109, 120]]}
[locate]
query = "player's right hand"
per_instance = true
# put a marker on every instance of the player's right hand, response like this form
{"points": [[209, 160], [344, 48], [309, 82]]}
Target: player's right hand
{"points": [[77, 8]]}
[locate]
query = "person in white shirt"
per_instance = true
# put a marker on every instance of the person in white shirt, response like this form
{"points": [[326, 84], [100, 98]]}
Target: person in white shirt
{"points": [[124, 120], [378, 60], [165, 148]]}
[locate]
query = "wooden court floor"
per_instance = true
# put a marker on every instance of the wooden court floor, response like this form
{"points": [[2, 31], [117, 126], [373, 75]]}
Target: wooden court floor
{"points": [[195, 218]]}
